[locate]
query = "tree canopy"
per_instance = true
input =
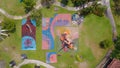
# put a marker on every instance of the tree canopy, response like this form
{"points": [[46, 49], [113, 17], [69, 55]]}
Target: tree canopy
{"points": [[28, 5], [37, 15], [81, 2], [117, 6], [65, 2], [96, 9], [116, 51]]}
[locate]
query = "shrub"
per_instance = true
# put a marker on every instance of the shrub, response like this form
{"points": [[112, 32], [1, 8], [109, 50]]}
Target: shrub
{"points": [[37, 15], [105, 44]]}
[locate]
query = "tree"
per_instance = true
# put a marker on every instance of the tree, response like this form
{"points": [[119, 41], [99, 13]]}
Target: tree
{"points": [[105, 44], [98, 9], [47, 3], [116, 51], [9, 25], [86, 11], [117, 6], [37, 15], [79, 2], [28, 5], [65, 2]]}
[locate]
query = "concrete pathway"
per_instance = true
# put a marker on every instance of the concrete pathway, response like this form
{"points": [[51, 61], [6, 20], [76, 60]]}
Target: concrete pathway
{"points": [[38, 5], [110, 16], [71, 8], [13, 17], [104, 60], [66, 7], [30, 61]]}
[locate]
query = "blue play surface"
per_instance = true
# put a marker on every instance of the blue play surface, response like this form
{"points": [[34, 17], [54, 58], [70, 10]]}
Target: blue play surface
{"points": [[28, 43], [51, 57], [48, 34], [32, 21], [28, 39]]}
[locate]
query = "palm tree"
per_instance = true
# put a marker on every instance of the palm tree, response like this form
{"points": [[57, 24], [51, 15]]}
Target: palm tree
{"points": [[3, 33]]}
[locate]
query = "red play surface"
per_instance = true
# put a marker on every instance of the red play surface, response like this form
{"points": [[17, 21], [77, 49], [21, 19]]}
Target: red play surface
{"points": [[26, 31]]}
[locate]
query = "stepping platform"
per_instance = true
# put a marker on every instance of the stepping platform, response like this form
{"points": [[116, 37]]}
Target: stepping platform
{"points": [[51, 57]]}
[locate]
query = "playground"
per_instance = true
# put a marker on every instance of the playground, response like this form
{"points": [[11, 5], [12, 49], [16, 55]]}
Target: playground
{"points": [[45, 43], [52, 28], [28, 34]]}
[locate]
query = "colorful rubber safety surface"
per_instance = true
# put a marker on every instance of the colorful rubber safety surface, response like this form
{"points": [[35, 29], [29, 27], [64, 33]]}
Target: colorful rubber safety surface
{"points": [[51, 57], [48, 26], [72, 34], [28, 34]]}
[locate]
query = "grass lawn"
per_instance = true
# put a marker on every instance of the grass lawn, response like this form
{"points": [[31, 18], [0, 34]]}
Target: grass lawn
{"points": [[28, 66], [50, 12], [93, 30], [13, 7]]}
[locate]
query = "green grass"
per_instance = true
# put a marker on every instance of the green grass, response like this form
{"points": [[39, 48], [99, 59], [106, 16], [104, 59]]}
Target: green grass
{"points": [[50, 12], [97, 27], [94, 29], [28, 66], [13, 7], [15, 41]]}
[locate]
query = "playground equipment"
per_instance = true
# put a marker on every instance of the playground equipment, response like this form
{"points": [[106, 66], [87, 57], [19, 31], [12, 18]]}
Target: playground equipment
{"points": [[66, 41]]}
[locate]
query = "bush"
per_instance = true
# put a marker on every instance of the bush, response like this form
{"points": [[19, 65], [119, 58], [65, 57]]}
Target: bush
{"points": [[99, 10], [116, 51], [105, 44], [86, 11], [28, 5], [78, 58], [9, 25], [65, 2], [116, 7], [96, 9], [37, 15]]}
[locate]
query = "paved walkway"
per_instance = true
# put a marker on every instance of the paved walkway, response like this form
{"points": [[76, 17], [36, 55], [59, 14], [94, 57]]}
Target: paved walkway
{"points": [[104, 60], [66, 7], [2, 64], [38, 5], [110, 16], [29, 61], [71, 8], [13, 17]]}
